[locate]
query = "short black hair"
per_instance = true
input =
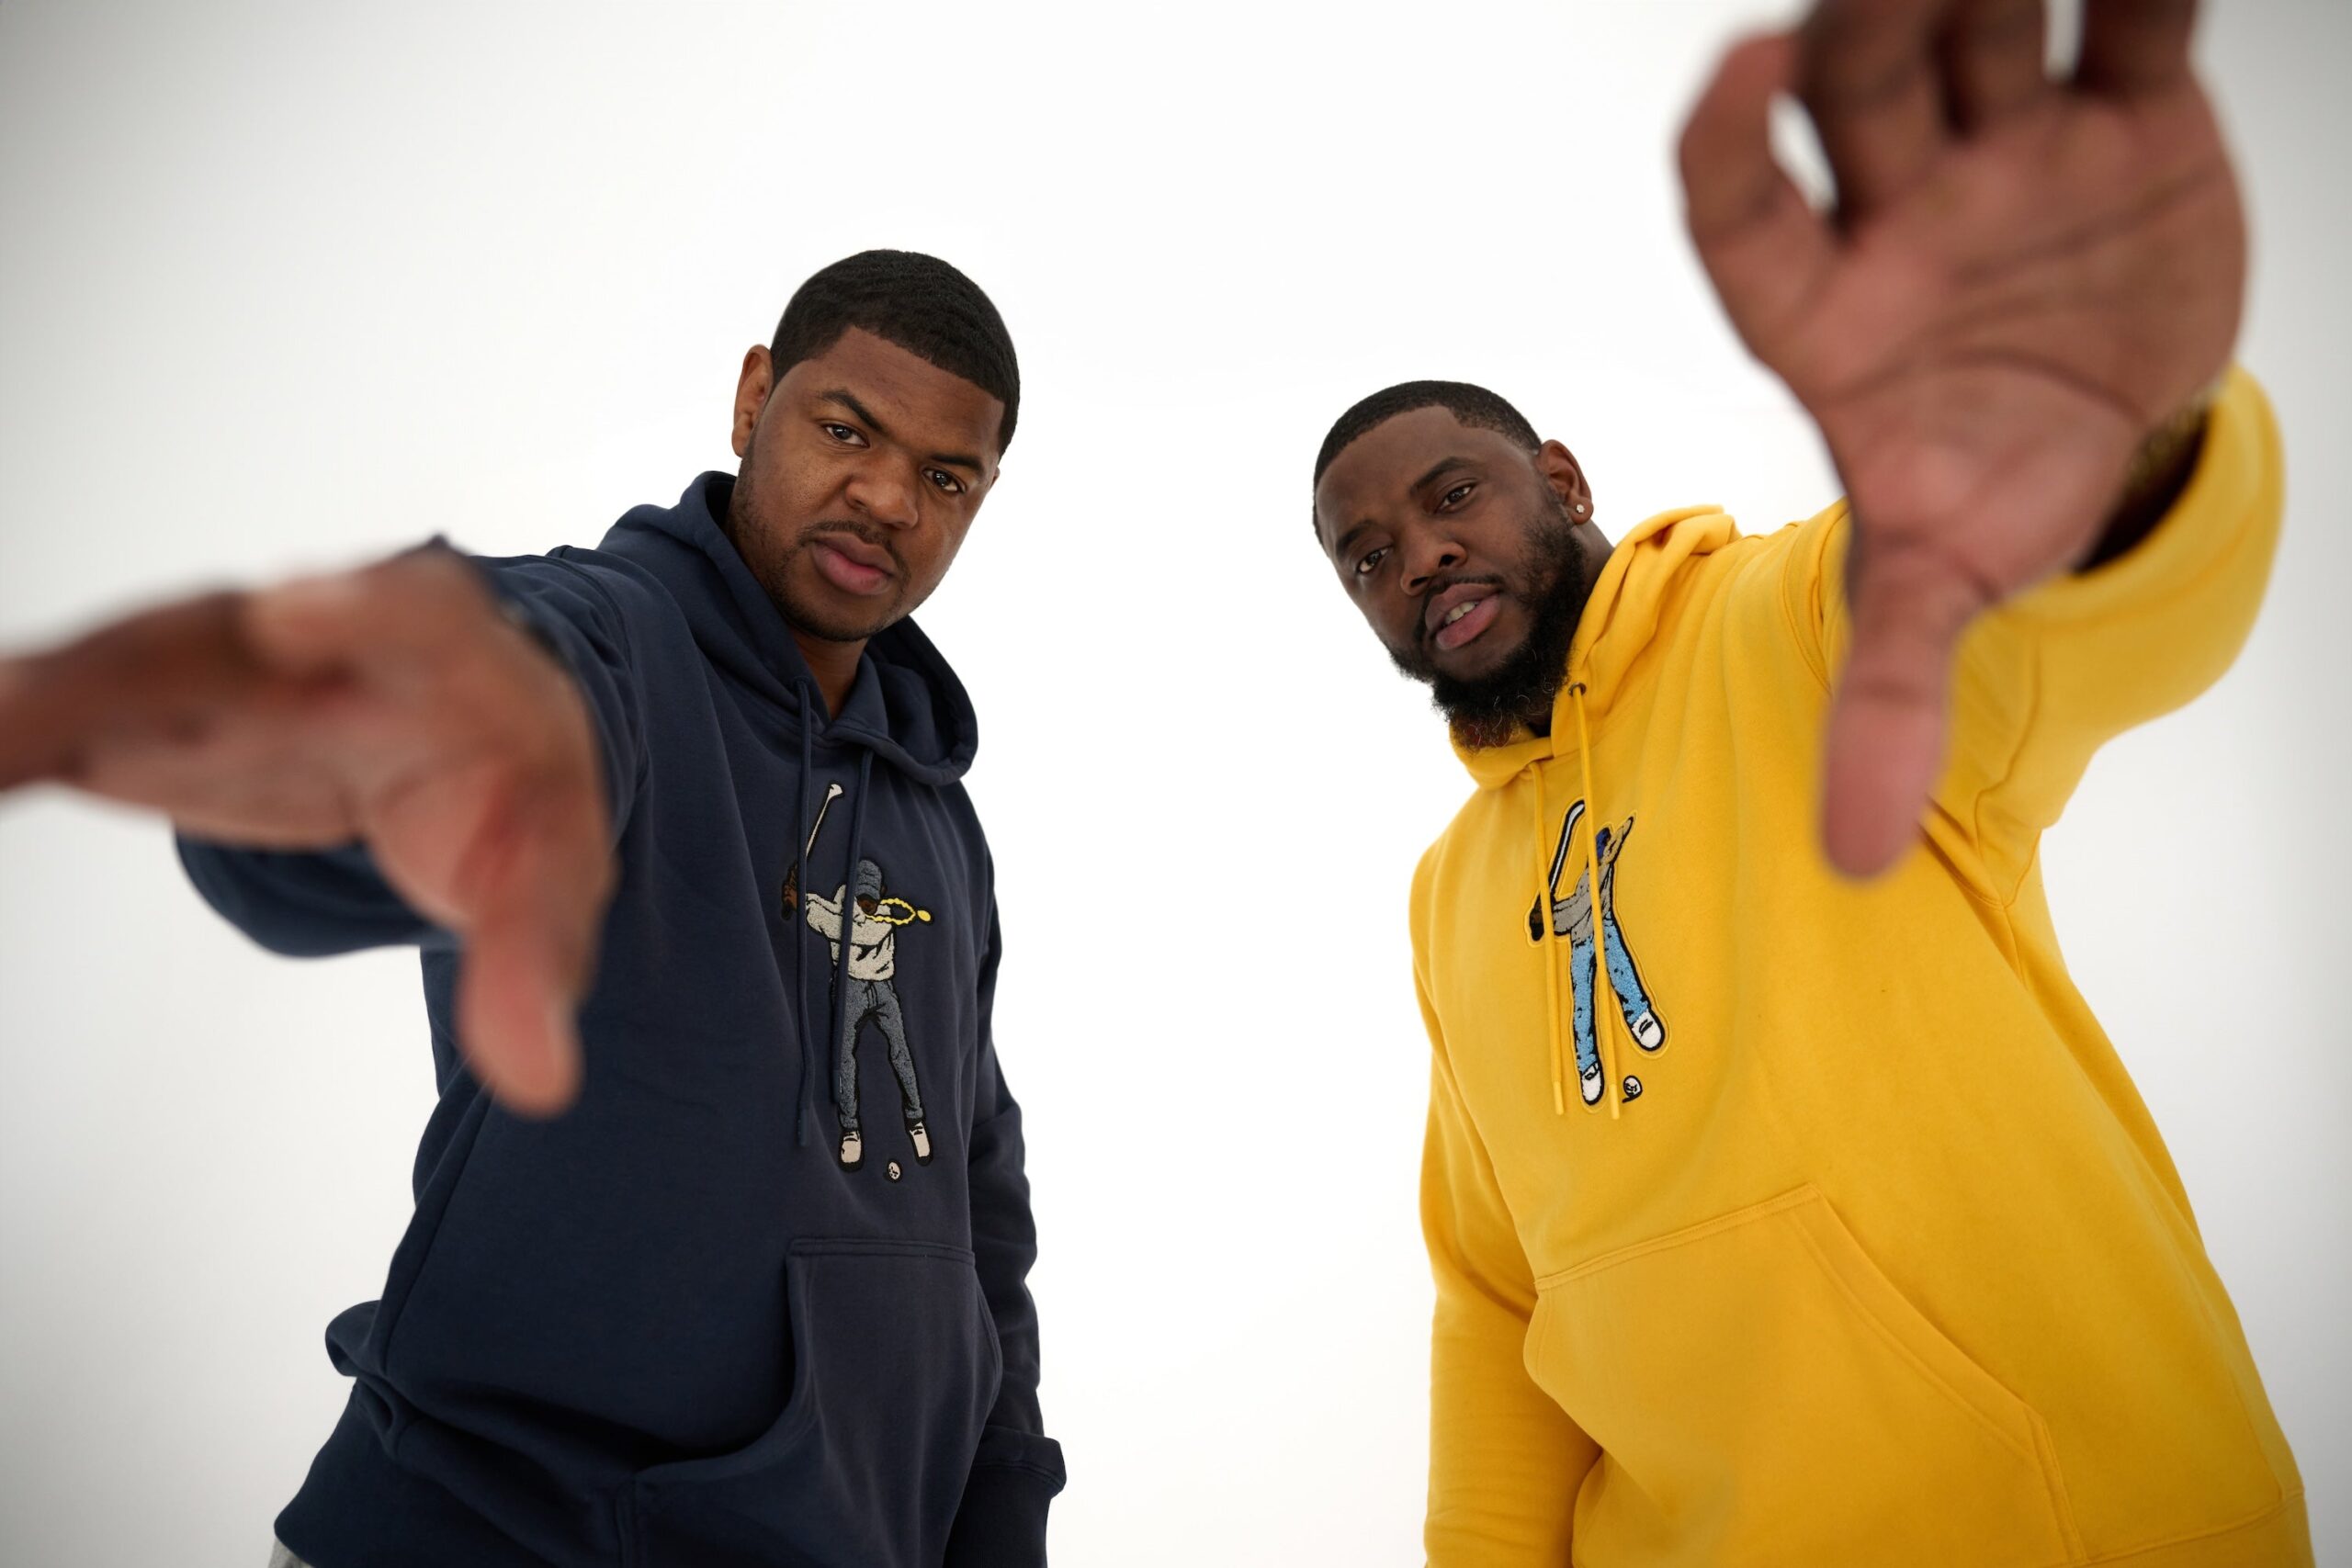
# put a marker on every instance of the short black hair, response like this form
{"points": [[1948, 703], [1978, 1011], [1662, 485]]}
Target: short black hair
{"points": [[1473, 406], [916, 301]]}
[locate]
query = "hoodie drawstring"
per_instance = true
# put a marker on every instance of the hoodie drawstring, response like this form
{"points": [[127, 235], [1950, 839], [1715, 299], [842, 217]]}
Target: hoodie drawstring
{"points": [[1604, 1038], [839, 1016], [793, 918], [1544, 889]]}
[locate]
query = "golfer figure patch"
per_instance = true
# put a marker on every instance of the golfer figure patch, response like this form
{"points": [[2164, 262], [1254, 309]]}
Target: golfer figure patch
{"points": [[872, 918], [1573, 918]]}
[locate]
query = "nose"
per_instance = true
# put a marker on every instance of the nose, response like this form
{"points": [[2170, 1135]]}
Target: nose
{"points": [[881, 492], [1425, 558]]}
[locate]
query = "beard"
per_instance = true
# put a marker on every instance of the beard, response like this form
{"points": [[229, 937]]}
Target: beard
{"points": [[1486, 710], [771, 566]]}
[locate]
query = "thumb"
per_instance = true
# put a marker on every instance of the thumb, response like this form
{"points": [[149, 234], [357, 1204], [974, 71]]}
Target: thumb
{"points": [[530, 953], [1909, 606]]}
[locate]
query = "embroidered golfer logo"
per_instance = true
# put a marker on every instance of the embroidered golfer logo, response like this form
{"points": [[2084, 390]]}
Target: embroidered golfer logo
{"points": [[873, 919], [1572, 917]]}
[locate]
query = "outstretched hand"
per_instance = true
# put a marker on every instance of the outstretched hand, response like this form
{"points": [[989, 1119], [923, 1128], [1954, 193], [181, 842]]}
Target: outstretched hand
{"points": [[2023, 276], [395, 705]]}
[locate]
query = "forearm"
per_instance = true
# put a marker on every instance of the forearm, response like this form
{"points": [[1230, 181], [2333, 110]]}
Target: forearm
{"points": [[304, 905], [1017, 1470]]}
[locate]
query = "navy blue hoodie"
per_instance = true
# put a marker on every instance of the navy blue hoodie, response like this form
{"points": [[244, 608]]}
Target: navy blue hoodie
{"points": [[670, 1326]]}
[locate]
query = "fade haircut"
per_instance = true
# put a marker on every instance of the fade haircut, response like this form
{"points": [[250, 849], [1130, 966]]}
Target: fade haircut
{"points": [[1473, 406], [916, 301]]}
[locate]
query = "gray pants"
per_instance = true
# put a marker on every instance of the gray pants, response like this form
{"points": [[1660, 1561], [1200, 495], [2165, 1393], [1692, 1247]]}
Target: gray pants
{"points": [[281, 1558], [878, 999]]}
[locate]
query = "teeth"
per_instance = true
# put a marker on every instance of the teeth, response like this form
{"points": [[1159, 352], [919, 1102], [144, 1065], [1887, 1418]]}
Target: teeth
{"points": [[1461, 610]]}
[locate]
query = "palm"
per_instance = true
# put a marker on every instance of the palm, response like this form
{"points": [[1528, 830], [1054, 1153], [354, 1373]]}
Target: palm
{"points": [[2023, 279]]}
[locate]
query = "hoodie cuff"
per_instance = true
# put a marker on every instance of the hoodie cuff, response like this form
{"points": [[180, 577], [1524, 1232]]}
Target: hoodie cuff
{"points": [[1002, 1521]]}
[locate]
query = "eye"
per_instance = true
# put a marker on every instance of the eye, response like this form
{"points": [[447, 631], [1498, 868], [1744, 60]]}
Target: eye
{"points": [[944, 481], [1454, 496], [841, 433], [1370, 561]]}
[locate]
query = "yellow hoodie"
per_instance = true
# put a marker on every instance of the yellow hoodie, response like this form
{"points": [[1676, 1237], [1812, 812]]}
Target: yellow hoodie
{"points": [[1866, 1251]]}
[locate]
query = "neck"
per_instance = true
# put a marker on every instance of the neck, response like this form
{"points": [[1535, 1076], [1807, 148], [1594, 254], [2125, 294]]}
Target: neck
{"points": [[834, 665], [1592, 556]]}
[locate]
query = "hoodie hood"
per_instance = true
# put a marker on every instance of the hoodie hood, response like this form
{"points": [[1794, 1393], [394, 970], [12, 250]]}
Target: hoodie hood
{"points": [[906, 707], [1629, 603], [1619, 622]]}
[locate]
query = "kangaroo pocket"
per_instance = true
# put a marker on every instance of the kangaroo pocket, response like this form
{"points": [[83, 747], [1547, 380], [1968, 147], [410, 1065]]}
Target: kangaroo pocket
{"points": [[895, 1368], [1764, 1395]]}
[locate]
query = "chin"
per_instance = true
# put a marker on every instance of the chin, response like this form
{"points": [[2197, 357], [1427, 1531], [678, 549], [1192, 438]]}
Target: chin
{"points": [[839, 623], [1484, 660], [816, 607]]}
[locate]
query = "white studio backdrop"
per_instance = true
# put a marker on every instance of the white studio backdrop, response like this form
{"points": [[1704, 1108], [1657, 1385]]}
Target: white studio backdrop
{"points": [[292, 285]]}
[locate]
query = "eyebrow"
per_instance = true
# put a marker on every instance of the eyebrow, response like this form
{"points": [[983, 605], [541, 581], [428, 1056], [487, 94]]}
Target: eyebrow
{"points": [[1438, 468], [848, 399]]}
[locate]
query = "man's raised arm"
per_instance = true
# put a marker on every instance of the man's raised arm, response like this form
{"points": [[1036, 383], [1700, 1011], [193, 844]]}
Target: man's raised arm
{"points": [[396, 716]]}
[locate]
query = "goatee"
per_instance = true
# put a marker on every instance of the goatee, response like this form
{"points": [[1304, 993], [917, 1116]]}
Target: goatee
{"points": [[1487, 710]]}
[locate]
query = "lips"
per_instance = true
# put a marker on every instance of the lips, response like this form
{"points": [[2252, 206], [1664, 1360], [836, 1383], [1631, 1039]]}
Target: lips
{"points": [[1460, 614], [1474, 616], [852, 565]]}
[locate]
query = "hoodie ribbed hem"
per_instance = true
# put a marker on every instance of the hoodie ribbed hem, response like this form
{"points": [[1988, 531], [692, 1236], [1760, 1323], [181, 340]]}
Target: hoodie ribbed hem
{"points": [[358, 1508]]}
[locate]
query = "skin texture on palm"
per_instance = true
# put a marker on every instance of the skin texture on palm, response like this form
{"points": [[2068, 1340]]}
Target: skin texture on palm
{"points": [[2022, 279]]}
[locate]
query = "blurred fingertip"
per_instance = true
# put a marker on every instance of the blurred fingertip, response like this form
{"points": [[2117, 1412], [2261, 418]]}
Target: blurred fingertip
{"points": [[1861, 853]]}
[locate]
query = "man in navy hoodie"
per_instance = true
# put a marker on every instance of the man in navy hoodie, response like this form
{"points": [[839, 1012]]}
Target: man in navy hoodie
{"points": [[684, 1321]]}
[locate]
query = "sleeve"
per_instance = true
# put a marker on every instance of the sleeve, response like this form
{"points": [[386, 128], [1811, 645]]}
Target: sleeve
{"points": [[824, 915], [2039, 683], [312, 903], [1017, 1469], [1505, 1459]]}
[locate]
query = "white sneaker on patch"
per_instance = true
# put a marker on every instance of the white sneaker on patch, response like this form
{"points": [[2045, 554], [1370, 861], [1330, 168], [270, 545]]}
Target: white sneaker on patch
{"points": [[1590, 1086], [1648, 1032], [852, 1151]]}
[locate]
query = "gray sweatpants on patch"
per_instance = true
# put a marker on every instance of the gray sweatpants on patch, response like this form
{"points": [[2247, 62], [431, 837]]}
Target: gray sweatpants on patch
{"points": [[878, 999]]}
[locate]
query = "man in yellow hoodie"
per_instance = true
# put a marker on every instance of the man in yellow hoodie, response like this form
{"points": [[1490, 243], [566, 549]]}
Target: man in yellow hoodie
{"points": [[1786, 1204]]}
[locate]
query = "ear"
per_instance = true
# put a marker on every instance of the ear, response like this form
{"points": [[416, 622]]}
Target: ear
{"points": [[1561, 471], [752, 390]]}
